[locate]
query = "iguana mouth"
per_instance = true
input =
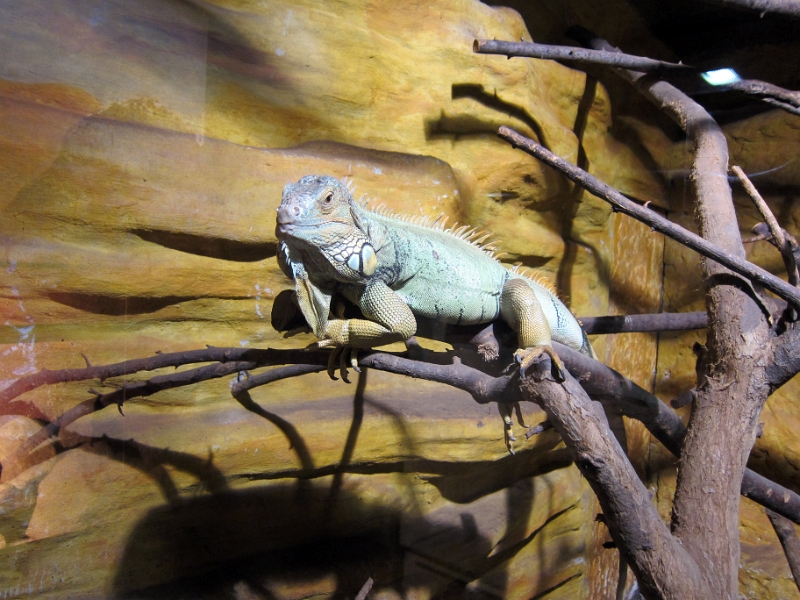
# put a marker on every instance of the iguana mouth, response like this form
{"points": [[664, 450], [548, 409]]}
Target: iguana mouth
{"points": [[286, 228]]}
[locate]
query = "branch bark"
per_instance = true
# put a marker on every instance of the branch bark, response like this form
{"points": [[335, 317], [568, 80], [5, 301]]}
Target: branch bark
{"points": [[618, 394], [764, 90], [781, 242]]}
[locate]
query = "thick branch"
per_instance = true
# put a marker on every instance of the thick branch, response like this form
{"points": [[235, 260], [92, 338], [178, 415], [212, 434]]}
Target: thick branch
{"points": [[633, 521], [652, 218], [618, 394], [579, 56], [610, 387]]}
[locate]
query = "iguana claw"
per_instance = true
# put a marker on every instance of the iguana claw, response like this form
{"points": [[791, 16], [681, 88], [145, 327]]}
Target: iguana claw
{"points": [[341, 355], [508, 433], [526, 356]]}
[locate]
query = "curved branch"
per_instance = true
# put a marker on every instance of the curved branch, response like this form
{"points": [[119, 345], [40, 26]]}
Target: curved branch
{"points": [[618, 395], [159, 361]]}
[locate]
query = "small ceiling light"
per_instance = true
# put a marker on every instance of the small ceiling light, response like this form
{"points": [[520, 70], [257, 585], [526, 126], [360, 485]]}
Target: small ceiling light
{"points": [[721, 77]]}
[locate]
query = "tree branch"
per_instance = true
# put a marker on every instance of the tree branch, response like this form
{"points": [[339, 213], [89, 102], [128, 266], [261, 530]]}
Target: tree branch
{"points": [[652, 218], [159, 361], [721, 432], [764, 90], [618, 394], [633, 521], [643, 323], [781, 242], [579, 56], [791, 544]]}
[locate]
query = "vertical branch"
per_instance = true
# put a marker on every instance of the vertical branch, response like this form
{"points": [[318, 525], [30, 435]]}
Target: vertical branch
{"points": [[722, 427]]}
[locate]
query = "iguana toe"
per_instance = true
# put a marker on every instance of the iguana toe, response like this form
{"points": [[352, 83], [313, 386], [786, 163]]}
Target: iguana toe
{"points": [[526, 356], [508, 427], [342, 356], [354, 360], [332, 364]]}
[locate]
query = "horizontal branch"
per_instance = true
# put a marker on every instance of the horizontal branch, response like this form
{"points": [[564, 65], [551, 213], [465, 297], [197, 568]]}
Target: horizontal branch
{"points": [[262, 357], [644, 323], [577, 55], [274, 375], [653, 219], [617, 393]]}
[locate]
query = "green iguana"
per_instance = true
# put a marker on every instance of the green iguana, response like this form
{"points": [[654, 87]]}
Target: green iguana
{"points": [[393, 268]]}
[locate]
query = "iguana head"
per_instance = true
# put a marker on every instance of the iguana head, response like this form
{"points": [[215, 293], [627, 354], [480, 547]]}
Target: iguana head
{"points": [[318, 215]]}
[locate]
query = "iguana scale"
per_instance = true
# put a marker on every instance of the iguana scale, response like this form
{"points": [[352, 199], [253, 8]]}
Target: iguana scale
{"points": [[395, 268]]}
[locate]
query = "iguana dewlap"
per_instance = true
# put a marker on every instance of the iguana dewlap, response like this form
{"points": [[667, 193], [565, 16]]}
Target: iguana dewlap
{"points": [[394, 268]]}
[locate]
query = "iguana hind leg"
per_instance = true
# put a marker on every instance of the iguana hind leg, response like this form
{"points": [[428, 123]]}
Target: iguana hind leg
{"points": [[520, 308]]}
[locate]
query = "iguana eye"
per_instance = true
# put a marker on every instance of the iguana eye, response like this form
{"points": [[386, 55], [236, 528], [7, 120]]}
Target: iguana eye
{"points": [[328, 198]]}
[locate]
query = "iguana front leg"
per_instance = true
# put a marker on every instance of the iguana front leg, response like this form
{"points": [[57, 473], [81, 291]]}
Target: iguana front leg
{"points": [[392, 319]]}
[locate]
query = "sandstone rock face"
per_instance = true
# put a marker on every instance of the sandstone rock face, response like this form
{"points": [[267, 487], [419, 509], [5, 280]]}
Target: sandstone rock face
{"points": [[143, 150]]}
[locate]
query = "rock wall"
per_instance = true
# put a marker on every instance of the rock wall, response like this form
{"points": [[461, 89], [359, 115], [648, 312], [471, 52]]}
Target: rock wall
{"points": [[143, 150]]}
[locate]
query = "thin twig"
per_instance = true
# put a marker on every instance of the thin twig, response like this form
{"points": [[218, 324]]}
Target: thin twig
{"points": [[775, 229], [274, 375], [118, 397], [362, 594], [580, 56], [649, 217]]}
